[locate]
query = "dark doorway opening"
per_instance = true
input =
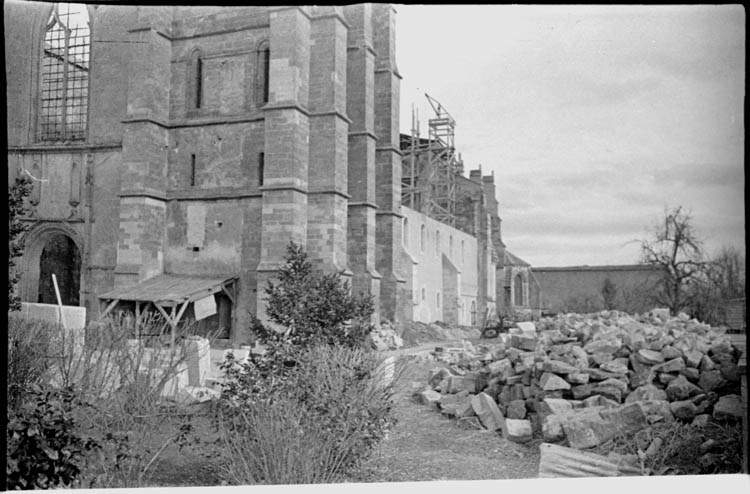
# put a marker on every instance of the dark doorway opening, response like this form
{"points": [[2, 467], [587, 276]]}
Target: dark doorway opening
{"points": [[60, 257]]}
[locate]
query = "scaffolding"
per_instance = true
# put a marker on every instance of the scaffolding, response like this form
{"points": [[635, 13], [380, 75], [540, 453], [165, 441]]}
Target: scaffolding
{"points": [[430, 166]]}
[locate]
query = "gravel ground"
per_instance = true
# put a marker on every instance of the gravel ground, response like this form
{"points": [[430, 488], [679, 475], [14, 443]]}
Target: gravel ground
{"points": [[424, 445]]}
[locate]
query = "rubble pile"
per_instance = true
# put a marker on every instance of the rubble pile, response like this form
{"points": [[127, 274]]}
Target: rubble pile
{"points": [[584, 379], [384, 337]]}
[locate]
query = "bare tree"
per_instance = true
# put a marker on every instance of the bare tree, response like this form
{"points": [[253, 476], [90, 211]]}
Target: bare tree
{"points": [[676, 249], [723, 280]]}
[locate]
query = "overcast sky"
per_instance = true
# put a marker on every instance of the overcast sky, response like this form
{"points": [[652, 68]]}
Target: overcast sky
{"points": [[593, 118]]}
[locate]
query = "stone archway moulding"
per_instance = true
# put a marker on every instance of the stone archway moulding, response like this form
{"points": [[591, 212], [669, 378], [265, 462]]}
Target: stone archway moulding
{"points": [[34, 241]]}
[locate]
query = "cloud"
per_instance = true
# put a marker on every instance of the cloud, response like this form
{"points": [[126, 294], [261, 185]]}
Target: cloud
{"points": [[702, 174]]}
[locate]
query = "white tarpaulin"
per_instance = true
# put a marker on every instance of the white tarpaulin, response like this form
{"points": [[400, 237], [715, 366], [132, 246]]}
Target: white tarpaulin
{"points": [[204, 307]]}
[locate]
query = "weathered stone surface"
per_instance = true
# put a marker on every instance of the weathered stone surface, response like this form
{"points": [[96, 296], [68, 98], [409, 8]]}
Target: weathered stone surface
{"points": [[601, 375], [649, 357], [516, 410], [429, 397], [518, 430], [456, 384], [730, 372], [601, 358], [552, 382], [436, 376], [526, 327], [577, 378], [616, 383], [608, 345], [701, 420], [582, 391], [691, 373], [669, 352], [684, 409], [502, 368], [693, 358], [665, 378], [626, 419], [728, 407], [523, 342], [656, 408], [617, 366], [580, 356], [711, 380], [674, 365], [681, 389], [586, 430], [707, 364], [552, 427], [646, 392], [488, 412], [558, 367], [554, 406]]}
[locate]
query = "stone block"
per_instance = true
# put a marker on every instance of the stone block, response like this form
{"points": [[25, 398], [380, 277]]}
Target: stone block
{"points": [[646, 392], [429, 397], [606, 346], [552, 382], [617, 366], [456, 384], [683, 409], [674, 365], [693, 358], [518, 430], [502, 368], [523, 342], [649, 357], [711, 380], [728, 407], [516, 410], [681, 389], [558, 367], [488, 412], [577, 378]]}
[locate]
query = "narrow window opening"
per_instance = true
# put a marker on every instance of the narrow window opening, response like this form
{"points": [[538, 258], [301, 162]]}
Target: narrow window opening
{"points": [[198, 82], [261, 167], [192, 170], [264, 65]]}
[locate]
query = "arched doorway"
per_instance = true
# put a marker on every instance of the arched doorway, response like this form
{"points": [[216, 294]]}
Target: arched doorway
{"points": [[60, 256]]}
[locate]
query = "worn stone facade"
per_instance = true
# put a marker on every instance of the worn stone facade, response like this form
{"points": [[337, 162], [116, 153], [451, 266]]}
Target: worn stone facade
{"points": [[213, 137]]}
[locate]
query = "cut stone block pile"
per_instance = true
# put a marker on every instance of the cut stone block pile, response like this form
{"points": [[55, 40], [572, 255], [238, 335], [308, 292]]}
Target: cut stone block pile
{"points": [[583, 379]]}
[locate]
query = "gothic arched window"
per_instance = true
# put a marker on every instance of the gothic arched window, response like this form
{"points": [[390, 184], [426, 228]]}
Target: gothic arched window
{"points": [[263, 64], [63, 109], [518, 291]]}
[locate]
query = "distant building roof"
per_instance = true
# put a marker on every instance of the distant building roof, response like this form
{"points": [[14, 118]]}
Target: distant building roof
{"points": [[513, 260], [621, 267]]}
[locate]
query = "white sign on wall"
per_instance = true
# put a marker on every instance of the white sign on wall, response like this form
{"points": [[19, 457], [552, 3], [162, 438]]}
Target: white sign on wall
{"points": [[204, 307]]}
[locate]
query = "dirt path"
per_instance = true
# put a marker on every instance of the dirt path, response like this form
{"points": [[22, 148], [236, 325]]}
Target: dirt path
{"points": [[425, 445]]}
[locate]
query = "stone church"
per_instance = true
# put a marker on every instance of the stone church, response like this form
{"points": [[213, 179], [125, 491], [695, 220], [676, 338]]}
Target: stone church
{"points": [[175, 152]]}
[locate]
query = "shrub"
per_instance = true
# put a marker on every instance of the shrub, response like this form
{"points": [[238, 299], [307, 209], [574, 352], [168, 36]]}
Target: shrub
{"points": [[302, 415], [28, 356], [44, 449], [116, 384], [17, 193], [315, 307], [680, 452]]}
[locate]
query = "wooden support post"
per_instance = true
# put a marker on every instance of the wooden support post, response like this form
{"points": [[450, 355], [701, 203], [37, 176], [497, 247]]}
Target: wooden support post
{"points": [[111, 306], [59, 302], [229, 294]]}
